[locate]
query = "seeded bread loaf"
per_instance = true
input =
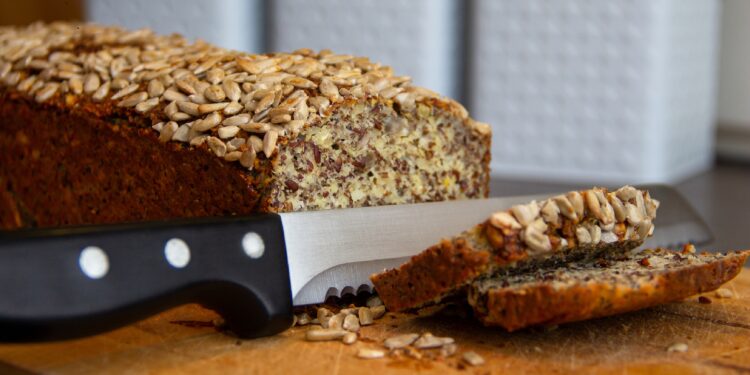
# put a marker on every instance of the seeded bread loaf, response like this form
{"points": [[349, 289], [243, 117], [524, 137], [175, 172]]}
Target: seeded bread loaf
{"points": [[99, 124], [564, 228], [601, 287]]}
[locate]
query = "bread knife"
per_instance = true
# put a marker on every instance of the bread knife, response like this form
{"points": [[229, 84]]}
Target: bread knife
{"points": [[71, 282]]}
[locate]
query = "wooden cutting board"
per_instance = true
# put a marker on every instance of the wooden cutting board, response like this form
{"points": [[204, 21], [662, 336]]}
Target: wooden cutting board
{"points": [[183, 340]]}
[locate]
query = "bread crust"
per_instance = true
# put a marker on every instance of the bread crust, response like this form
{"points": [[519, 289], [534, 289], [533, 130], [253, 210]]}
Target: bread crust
{"points": [[541, 304], [431, 275]]}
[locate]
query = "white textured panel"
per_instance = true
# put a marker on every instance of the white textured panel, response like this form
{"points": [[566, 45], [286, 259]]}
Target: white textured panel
{"points": [[417, 37], [594, 90], [234, 24]]}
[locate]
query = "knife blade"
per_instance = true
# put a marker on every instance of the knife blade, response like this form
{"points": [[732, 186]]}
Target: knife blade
{"points": [[72, 282]]}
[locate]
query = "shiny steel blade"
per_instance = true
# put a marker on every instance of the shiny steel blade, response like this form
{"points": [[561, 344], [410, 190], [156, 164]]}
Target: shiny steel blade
{"points": [[334, 249]]}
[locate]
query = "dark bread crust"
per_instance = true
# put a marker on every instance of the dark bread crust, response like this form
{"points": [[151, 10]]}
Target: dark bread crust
{"points": [[68, 166], [431, 275], [516, 308]]}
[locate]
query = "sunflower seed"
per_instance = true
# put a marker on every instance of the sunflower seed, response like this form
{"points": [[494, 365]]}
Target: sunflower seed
{"points": [[526, 213], [370, 353], [373, 301], [49, 90], [349, 338], [232, 108], [167, 131], [617, 207], [329, 89], [214, 93], [101, 93], [212, 107], [323, 314], [182, 134], [428, 341], [400, 341], [365, 316], [351, 323], [198, 99], [76, 85], [255, 142], [228, 131], [448, 350], [207, 122], [237, 120], [26, 84], [324, 334], [91, 83], [576, 201], [214, 76], [185, 87], [233, 155], [120, 83], [550, 212], [12, 78], [299, 82], [188, 107], [231, 90], [678, 348], [269, 142], [179, 116], [473, 358], [155, 88], [171, 95], [265, 103], [199, 140], [583, 235], [335, 322], [377, 311], [133, 100], [247, 159], [535, 237], [302, 319], [217, 146], [125, 91], [147, 105], [724, 293], [503, 219], [280, 119]]}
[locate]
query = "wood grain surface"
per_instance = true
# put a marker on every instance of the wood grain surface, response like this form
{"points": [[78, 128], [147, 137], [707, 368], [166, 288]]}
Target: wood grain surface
{"points": [[184, 340]]}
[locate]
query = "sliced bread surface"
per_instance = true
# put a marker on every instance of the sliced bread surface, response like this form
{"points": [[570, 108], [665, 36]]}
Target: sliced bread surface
{"points": [[599, 287]]}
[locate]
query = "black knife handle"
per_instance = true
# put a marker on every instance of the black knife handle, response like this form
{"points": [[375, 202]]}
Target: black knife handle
{"points": [[67, 283]]}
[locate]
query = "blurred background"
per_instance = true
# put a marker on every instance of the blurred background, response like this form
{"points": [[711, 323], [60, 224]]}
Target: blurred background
{"points": [[577, 91]]}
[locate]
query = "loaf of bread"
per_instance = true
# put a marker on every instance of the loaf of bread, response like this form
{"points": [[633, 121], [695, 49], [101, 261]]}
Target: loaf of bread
{"points": [[100, 124], [570, 227], [599, 287]]}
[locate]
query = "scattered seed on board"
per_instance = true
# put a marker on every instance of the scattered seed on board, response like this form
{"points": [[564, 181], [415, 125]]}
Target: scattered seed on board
{"points": [[377, 311], [370, 353], [428, 341], [400, 341], [324, 334], [323, 314], [349, 338], [448, 350], [724, 293], [365, 316], [473, 358], [374, 301], [335, 322], [303, 319], [351, 323], [677, 348]]}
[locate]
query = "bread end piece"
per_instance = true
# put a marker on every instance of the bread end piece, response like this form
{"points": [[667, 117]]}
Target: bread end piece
{"points": [[555, 298]]}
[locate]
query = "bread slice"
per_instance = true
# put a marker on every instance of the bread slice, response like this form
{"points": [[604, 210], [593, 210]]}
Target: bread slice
{"points": [[561, 229], [599, 287], [100, 124]]}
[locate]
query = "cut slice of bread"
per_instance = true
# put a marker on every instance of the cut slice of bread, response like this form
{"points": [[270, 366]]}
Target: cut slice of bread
{"points": [[565, 228], [599, 287]]}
